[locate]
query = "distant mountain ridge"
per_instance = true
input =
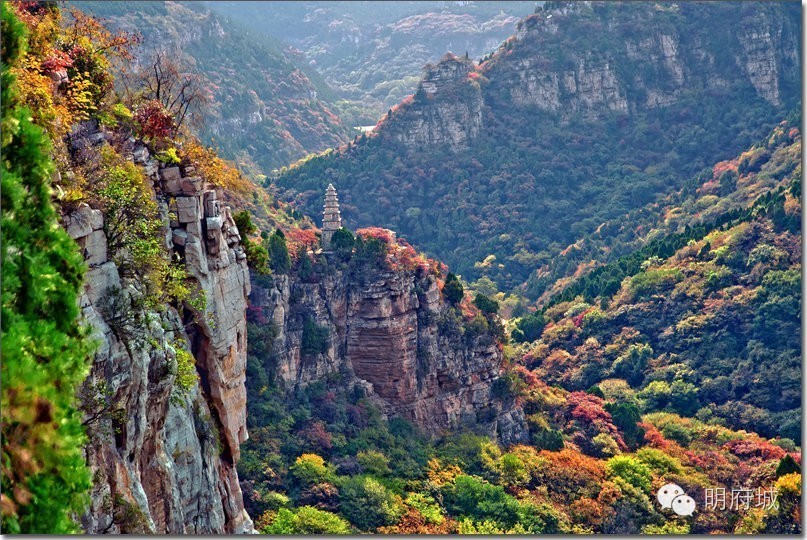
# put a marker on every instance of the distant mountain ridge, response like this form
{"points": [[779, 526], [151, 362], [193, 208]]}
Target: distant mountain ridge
{"points": [[372, 52]]}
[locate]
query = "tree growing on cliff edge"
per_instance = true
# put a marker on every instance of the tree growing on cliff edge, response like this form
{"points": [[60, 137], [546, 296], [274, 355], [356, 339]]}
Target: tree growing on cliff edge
{"points": [[162, 79], [452, 290], [45, 352], [279, 259]]}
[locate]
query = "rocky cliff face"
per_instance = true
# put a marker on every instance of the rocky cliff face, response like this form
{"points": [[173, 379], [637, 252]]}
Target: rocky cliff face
{"points": [[392, 336], [446, 109], [641, 58], [164, 460], [623, 59]]}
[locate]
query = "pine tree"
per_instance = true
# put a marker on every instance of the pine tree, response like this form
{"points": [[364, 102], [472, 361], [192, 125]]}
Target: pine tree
{"points": [[279, 260], [453, 291], [45, 350]]}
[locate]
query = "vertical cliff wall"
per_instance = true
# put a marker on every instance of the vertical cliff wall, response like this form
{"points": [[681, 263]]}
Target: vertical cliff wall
{"points": [[597, 59], [164, 458], [446, 109], [626, 59], [390, 333]]}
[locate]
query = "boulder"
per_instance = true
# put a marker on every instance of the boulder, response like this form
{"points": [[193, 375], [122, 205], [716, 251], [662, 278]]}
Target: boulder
{"points": [[170, 173], [84, 221], [172, 181], [59, 77], [180, 237], [192, 185], [211, 204], [213, 226], [97, 139], [140, 154], [150, 167], [187, 209]]}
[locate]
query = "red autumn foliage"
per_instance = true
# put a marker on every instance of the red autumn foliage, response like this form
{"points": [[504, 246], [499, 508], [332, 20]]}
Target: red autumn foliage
{"points": [[356, 415], [577, 320], [716, 463], [588, 413], [316, 434], [385, 235], [653, 436], [568, 471], [400, 254], [296, 238], [154, 120], [414, 523], [527, 376], [590, 511], [723, 166], [748, 449], [57, 61], [255, 314]]}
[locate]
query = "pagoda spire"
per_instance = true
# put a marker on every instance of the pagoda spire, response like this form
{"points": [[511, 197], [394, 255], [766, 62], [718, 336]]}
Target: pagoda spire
{"points": [[331, 219]]}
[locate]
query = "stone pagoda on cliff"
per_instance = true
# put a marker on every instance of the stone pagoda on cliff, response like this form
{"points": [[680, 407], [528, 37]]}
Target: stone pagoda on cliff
{"points": [[331, 220]]}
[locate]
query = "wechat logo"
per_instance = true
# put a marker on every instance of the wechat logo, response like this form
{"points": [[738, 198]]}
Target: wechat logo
{"points": [[672, 496]]}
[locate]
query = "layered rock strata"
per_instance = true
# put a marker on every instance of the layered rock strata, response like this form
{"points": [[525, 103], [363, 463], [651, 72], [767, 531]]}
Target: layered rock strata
{"points": [[391, 334], [652, 59], [446, 110]]}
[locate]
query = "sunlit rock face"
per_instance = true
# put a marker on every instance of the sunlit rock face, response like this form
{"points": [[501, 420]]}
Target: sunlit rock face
{"points": [[165, 462]]}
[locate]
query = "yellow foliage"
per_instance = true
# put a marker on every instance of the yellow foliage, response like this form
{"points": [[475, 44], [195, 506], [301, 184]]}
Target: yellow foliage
{"points": [[214, 169], [440, 474], [789, 484], [48, 109], [312, 459]]}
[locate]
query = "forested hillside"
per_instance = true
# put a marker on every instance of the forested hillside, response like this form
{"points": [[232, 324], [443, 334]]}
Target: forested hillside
{"points": [[676, 362], [264, 107], [590, 111], [715, 196]]}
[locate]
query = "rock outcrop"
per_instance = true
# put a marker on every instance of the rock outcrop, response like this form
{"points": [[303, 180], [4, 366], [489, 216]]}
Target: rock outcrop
{"points": [[164, 460], [651, 59], [392, 335], [446, 109]]}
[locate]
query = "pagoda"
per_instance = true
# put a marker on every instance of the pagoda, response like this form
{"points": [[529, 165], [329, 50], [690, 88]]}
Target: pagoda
{"points": [[331, 220]]}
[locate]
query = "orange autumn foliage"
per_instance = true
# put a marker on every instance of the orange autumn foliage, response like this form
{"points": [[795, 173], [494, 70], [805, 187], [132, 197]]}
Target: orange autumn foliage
{"points": [[569, 472], [214, 169], [297, 238], [413, 522]]}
